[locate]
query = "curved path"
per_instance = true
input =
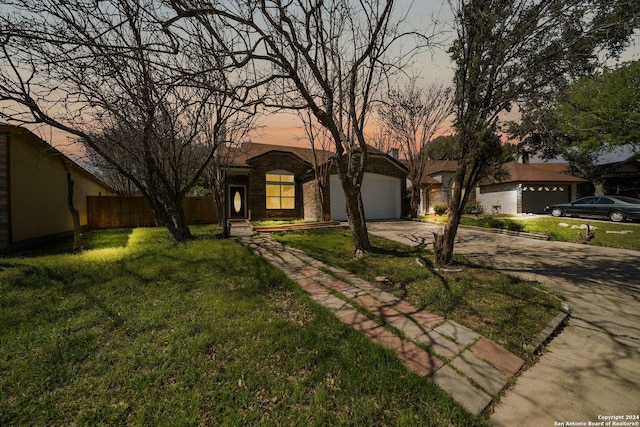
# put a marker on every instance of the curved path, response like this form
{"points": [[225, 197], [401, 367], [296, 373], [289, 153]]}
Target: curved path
{"points": [[592, 368]]}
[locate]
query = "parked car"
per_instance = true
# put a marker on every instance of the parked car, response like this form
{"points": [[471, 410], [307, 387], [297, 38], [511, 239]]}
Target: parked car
{"points": [[616, 208]]}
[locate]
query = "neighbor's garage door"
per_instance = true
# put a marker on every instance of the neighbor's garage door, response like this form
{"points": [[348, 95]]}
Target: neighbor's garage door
{"points": [[381, 197], [535, 197]]}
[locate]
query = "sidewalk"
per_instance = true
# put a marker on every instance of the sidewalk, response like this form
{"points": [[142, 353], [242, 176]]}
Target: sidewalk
{"points": [[471, 368]]}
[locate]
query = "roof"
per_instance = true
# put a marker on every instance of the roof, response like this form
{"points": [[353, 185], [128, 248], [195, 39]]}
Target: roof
{"points": [[552, 167], [440, 166], [519, 172], [33, 139], [242, 155], [516, 172]]}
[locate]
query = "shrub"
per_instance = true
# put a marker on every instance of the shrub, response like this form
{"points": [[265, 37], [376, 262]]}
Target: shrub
{"points": [[514, 226], [495, 223], [474, 208], [440, 209]]}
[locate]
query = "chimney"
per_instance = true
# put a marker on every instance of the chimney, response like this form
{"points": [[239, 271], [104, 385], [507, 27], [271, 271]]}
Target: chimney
{"points": [[394, 152]]}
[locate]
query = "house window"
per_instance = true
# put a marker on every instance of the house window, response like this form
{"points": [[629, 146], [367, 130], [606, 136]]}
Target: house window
{"points": [[281, 190]]}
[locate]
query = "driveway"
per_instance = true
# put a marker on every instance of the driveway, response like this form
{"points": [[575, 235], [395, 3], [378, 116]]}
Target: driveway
{"points": [[592, 368]]}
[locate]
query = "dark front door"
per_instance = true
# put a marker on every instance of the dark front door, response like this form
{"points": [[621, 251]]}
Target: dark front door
{"points": [[237, 201]]}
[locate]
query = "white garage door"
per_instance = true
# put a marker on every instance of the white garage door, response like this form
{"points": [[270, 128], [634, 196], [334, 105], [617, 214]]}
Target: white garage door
{"points": [[381, 197]]}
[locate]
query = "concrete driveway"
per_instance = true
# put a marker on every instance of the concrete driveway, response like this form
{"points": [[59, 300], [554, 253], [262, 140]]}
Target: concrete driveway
{"points": [[592, 368]]}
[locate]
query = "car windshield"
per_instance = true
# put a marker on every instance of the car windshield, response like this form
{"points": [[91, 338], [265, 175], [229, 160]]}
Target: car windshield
{"points": [[629, 200]]}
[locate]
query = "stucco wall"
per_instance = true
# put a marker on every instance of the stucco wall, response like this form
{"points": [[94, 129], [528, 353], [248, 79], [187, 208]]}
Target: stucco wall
{"points": [[503, 196], [38, 189]]}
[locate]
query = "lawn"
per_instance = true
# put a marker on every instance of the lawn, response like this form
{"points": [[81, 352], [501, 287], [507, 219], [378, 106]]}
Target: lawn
{"points": [[147, 332], [617, 236], [507, 310]]}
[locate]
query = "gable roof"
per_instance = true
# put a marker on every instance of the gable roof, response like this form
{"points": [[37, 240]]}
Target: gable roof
{"points": [[441, 166], [242, 155], [31, 138]]}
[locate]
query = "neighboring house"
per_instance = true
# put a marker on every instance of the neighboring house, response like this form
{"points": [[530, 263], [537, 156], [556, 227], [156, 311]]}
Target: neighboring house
{"points": [[623, 178], [278, 182], [33, 189], [619, 178], [525, 189]]}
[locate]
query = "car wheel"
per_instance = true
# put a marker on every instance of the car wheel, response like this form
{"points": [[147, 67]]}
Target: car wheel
{"points": [[556, 212], [617, 216]]}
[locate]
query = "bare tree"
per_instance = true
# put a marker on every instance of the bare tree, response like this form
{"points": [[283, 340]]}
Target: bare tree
{"points": [[508, 52], [135, 93], [411, 117], [328, 57]]}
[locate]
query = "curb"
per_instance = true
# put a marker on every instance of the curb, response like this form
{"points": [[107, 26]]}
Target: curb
{"points": [[536, 236], [547, 333]]}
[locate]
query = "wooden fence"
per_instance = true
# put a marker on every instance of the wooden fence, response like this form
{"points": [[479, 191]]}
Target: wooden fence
{"points": [[128, 212]]}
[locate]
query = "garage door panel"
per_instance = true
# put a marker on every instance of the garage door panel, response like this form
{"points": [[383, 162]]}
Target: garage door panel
{"points": [[381, 197], [536, 197]]}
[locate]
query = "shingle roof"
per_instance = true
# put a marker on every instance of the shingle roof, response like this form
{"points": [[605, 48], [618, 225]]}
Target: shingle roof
{"points": [[242, 155], [518, 172]]}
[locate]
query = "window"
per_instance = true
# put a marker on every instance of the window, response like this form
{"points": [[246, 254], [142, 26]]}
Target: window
{"points": [[281, 190]]}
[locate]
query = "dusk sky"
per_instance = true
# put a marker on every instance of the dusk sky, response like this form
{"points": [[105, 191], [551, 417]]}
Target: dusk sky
{"points": [[434, 66]]}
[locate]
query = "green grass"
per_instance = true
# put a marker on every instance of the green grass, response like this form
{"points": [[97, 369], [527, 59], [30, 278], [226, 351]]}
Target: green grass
{"points": [[507, 310], [155, 333], [549, 227]]}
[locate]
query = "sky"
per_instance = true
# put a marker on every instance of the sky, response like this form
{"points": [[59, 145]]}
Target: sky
{"points": [[286, 128]]}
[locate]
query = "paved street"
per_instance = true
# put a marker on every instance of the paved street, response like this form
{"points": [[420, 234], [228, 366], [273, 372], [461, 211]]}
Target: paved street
{"points": [[592, 368]]}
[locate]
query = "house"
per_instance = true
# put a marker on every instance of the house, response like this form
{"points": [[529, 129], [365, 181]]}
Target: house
{"points": [[278, 182], [524, 189], [33, 189], [620, 177], [623, 177]]}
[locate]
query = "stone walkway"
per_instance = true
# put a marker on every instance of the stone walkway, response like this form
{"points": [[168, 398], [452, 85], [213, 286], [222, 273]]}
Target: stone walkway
{"points": [[471, 368]]}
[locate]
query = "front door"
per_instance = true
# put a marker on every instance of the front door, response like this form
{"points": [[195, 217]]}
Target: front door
{"points": [[237, 201]]}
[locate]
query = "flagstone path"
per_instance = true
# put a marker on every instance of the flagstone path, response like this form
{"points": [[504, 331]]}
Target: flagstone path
{"points": [[471, 368]]}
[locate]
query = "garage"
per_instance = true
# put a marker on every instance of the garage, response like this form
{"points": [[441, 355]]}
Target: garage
{"points": [[381, 197], [536, 196]]}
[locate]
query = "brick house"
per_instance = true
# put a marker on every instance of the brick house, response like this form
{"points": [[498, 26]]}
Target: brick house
{"points": [[33, 189], [278, 182]]}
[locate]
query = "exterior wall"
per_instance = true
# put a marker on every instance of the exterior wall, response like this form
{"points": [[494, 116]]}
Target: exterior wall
{"points": [[5, 227], [312, 209], [257, 185], [440, 195], [38, 192], [500, 198]]}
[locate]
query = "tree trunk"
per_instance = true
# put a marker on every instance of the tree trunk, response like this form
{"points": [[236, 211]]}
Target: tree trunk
{"points": [[599, 188], [173, 218], [75, 214], [415, 201], [355, 215], [443, 244]]}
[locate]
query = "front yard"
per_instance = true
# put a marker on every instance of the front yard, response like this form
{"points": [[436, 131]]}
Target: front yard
{"points": [[147, 332], [138, 330]]}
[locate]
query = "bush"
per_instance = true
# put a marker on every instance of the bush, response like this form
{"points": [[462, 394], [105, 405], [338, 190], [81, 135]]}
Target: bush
{"points": [[440, 209], [514, 226], [473, 208]]}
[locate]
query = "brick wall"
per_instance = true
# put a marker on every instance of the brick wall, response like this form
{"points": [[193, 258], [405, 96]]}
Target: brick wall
{"points": [[256, 192]]}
